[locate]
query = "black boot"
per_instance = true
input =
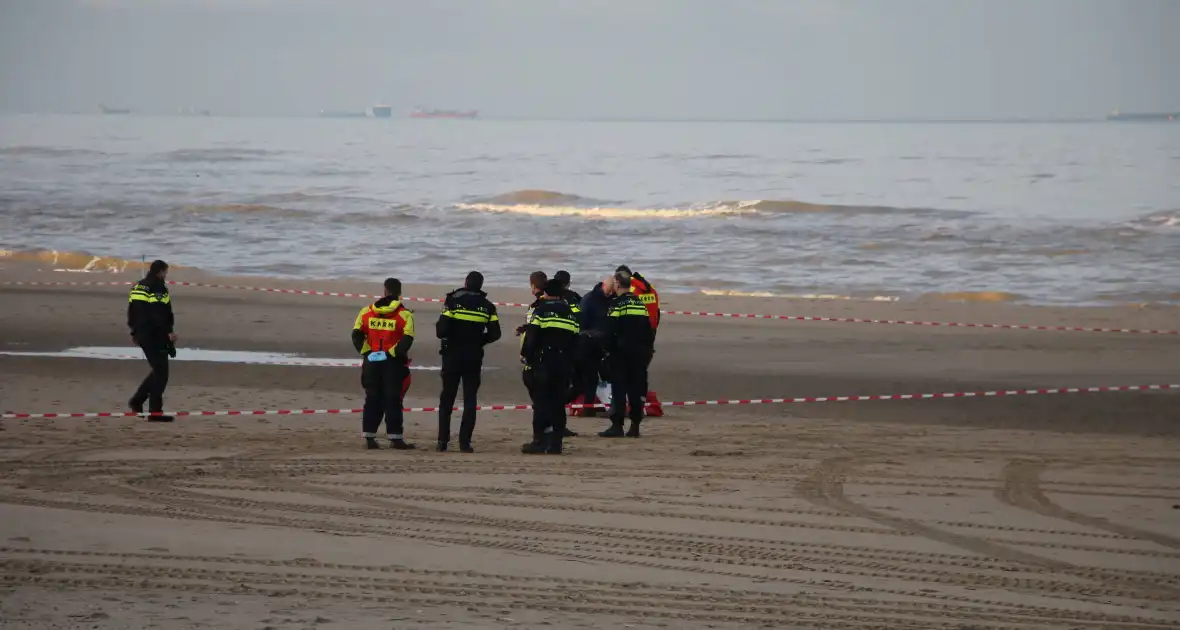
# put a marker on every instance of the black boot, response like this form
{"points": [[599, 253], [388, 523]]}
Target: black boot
{"points": [[157, 416], [633, 432], [442, 447], [615, 430], [567, 433], [554, 446], [466, 448], [136, 405], [401, 445], [371, 444], [538, 446]]}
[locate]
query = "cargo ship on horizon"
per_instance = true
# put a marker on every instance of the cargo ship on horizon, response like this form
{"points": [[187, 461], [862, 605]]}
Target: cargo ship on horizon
{"points": [[1117, 115], [442, 113]]}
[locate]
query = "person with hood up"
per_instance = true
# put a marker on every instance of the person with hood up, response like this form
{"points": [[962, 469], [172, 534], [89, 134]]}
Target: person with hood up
{"points": [[149, 317], [383, 333], [468, 322]]}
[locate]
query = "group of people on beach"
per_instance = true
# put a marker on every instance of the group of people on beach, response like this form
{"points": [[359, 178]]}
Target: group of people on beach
{"points": [[568, 342]]}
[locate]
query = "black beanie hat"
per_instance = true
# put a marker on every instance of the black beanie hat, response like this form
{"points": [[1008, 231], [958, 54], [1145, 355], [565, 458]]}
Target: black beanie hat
{"points": [[554, 288]]}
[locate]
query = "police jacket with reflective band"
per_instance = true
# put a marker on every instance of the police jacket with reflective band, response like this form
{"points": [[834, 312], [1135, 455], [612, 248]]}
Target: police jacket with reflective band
{"points": [[648, 295], [548, 339], [385, 325], [149, 309], [574, 300], [630, 329], [468, 320]]}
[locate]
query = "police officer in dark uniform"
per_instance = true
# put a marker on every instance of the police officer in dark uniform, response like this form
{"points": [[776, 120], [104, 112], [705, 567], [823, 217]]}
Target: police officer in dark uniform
{"points": [[568, 294], [468, 323], [149, 316], [547, 351], [629, 347]]}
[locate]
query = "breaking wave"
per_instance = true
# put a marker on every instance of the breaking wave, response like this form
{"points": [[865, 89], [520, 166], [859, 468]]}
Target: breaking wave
{"points": [[1165, 219], [544, 203], [72, 261], [799, 296]]}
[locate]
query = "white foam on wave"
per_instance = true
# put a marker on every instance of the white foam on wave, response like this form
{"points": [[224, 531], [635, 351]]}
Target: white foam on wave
{"points": [[800, 296], [611, 213]]}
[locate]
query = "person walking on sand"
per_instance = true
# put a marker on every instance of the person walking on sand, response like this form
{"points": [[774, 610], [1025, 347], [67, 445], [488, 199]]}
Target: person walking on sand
{"points": [[150, 320], [383, 333], [468, 322]]}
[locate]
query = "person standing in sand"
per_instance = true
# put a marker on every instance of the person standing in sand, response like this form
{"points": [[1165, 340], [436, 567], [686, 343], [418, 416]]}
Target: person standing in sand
{"points": [[629, 348], [383, 333], [468, 322], [546, 350], [150, 319]]}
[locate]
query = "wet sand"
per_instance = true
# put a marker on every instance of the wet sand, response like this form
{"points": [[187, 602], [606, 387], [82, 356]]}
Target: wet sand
{"points": [[1024, 512]]}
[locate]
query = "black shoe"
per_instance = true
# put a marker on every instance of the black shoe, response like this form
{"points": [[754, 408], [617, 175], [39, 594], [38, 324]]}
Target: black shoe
{"points": [[536, 447], [156, 416], [466, 448], [371, 444], [633, 432], [615, 431], [401, 445], [567, 433], [442, 447], [136, 406], [589, 412]]}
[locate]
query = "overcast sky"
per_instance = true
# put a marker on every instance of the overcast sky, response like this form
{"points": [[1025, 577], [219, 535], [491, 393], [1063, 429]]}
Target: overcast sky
{"points": [[597, 58]]}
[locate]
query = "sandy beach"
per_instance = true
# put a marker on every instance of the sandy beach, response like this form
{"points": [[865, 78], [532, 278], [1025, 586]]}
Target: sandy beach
{"points": [[1059, 511]]}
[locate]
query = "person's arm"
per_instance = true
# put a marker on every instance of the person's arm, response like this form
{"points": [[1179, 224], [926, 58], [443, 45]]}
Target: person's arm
{"points": [[407, 341], [443, 327], [492, 332], [358, 332], [530, 343], [169, 319]]}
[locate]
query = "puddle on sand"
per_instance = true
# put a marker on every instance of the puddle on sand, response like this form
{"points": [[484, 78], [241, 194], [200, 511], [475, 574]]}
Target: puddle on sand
{"points": [[197, 354]]}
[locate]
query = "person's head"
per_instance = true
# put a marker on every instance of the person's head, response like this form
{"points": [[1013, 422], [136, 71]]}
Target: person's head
{"points": [[563, 277], [474, 281], [393, 288], [159, 269], [622, 282], [553, 288], [623, 268], [537, 280], [608, 285]]}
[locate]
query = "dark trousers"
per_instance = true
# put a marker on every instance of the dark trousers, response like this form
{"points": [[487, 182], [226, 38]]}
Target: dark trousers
{"points": [[459, 365], [383, 396], [589, 366], [548, 393], [151, 390], [628, 386]]}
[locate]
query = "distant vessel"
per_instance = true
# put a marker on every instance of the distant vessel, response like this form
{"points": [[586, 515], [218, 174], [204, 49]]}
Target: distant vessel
{"points": [[381, 111], [1142, 117], [192, 111], [442, 113], [332, 113], [112, 110]]}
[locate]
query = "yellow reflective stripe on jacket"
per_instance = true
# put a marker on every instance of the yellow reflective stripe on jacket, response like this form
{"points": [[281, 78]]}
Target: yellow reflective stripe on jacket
{"points": [[465, 315], [553, 321], [627, 310], [139, 293]]}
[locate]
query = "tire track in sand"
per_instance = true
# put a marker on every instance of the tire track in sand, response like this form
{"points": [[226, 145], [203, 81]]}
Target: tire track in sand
{"points": [[1020, 487]]}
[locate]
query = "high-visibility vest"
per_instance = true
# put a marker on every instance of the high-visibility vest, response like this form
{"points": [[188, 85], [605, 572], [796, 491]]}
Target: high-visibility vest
{"points": [[651, 300], [384, 326]]}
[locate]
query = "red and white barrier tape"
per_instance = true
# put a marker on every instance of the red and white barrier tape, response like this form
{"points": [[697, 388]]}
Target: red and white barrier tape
{"points": [[795, 318], [683, 403]]}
